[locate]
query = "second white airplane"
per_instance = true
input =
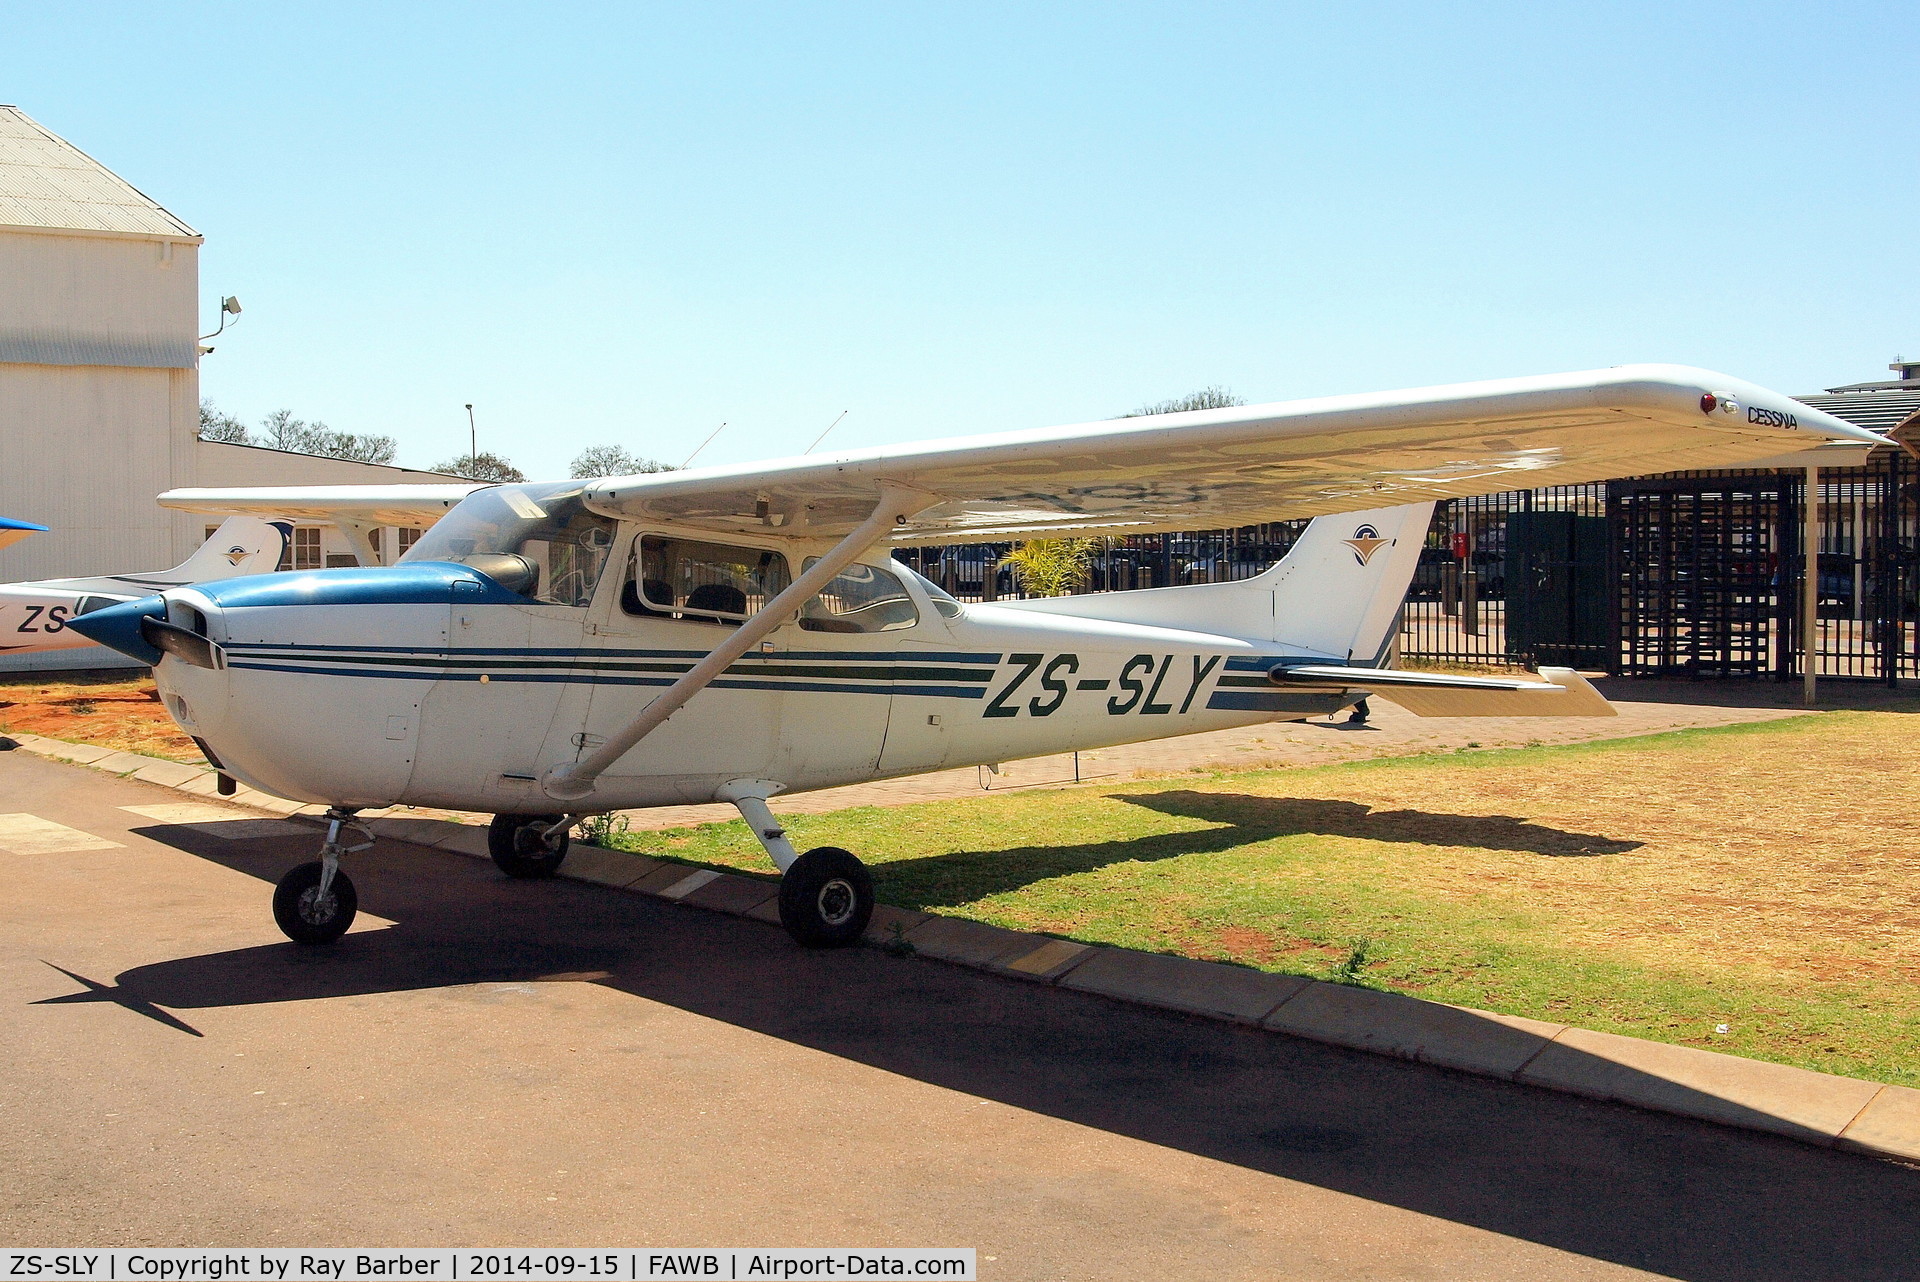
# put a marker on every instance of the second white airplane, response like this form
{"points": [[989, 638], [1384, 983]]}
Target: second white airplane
{"points": [[36, 616]]}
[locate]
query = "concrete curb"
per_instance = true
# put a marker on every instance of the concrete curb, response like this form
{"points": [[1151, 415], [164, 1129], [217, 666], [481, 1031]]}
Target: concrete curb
{"points": [[1815, 1108]]}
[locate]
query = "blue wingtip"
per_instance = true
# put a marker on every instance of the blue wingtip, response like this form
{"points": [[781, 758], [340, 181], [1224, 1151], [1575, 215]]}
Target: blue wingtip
{"points": [[118, 627]]}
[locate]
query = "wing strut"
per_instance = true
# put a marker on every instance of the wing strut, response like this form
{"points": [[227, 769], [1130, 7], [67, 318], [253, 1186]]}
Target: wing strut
{"points": [[573, 780]]}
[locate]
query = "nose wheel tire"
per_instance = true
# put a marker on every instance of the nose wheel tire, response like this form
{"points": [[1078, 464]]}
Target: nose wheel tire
{"points": [[826, 898], [306, 916], [520, 849]]}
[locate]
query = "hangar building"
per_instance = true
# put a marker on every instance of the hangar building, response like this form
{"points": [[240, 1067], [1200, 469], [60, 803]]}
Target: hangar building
{"points": [[100, 378]]}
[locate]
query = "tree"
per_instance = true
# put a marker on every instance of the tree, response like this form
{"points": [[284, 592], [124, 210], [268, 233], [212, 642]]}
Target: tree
{"points": [[614, 460], [1050, 567], [351, 446], [483, 466], [280, 430], [1207, 398], [215, 426], [1055, 567]]}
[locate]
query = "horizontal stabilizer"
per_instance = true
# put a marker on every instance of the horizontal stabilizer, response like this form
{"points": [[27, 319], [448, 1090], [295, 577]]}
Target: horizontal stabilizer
{"points": [[1561, 692]]}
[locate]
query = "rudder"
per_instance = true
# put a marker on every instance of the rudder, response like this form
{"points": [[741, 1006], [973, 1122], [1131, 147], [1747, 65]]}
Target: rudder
{"points": [[1338, 590]]}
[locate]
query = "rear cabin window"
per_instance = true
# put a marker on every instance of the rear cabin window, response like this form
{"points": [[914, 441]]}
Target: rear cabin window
{"points": [[861, 598], [705, 582]]}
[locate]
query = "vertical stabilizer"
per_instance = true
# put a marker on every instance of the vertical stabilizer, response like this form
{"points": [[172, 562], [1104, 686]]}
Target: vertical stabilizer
{"points": [[1339, 589], [242, 545]]}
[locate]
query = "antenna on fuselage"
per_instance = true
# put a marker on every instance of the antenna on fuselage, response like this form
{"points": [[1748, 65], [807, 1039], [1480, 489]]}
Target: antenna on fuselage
{"points": [[703, 445], [823, 436]]}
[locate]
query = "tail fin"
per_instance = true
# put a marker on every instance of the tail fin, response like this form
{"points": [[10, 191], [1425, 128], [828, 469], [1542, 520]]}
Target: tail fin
{"points": [[1339, 589], [242, 545]]}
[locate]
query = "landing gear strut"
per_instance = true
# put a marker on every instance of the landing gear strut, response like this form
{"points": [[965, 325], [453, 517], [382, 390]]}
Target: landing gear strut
{"points": [[315, 903], [529, 846], [826, 895]]}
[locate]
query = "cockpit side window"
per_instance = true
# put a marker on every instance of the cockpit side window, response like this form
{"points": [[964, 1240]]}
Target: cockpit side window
{"points": [[703, 582], [861, 598], [537, 540], [948, 606]]}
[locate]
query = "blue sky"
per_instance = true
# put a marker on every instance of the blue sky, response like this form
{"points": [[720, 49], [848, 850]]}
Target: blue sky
{"points": [[631, 223]]}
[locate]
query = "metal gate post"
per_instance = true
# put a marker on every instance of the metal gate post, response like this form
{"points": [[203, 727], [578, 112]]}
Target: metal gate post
{"points": [[1810, 587]]}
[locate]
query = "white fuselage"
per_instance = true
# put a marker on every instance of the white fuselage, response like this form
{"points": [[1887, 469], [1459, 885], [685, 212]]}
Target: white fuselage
{"points": [[464, 701]]}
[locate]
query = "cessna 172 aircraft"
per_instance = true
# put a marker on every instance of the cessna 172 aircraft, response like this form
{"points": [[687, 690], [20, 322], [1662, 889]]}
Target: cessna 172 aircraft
{"points": [[526, 655], [36, 616]]}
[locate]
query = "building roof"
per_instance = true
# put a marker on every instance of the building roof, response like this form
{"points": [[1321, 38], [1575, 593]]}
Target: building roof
{"points": [[48, 184], [1875, 406]]}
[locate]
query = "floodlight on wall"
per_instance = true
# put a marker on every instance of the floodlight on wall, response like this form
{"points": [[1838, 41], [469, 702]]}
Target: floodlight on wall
{"points": [[229, 306]]}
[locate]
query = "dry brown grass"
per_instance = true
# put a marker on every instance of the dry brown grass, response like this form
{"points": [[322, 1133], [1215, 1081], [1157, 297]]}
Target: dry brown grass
{"points": [[1790, 852], [124, 715]]}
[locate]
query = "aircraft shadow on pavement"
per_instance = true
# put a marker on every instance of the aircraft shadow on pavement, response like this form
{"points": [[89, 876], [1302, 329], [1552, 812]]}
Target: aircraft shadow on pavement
{"points": [[1238, 819], [1680, 1198]]}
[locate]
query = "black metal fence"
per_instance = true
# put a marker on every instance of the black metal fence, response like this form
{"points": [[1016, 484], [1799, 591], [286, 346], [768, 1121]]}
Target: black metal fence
{"points": [[1691, 575], [971, 572]]}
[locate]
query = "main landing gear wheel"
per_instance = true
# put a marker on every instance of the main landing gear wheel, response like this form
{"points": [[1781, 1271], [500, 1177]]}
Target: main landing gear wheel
{"points": [[309, 917], [520, 847], [826, 898]]}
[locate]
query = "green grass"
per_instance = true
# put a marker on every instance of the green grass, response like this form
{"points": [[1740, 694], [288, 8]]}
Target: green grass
{"points": [[1570, 901]]}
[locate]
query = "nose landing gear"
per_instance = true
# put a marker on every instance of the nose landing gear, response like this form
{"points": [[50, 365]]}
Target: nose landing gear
{"points": [[315, 903]]}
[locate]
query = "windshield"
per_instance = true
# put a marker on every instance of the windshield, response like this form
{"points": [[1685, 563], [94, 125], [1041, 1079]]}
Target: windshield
{"points": [[538, 540]]}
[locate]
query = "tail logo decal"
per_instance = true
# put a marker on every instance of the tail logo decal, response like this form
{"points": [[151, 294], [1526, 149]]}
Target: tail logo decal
{"points": [[1365, 542], [236, 554]]}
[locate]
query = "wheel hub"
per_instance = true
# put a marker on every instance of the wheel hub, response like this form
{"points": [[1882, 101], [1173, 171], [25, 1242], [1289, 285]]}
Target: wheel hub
{"points": [[531, 839], [317, 909], [837, 901]]}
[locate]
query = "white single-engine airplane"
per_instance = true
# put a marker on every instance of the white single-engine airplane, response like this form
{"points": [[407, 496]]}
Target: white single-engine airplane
{"points": [[37, 616], [525, 656]]}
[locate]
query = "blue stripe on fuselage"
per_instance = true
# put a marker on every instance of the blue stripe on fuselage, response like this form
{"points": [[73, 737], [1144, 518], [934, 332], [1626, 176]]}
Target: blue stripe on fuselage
{"points": [[609, 679], [409, 583]]}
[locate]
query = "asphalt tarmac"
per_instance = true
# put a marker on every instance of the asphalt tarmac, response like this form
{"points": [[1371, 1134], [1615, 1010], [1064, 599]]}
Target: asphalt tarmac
{"points": [[486, 1062]]}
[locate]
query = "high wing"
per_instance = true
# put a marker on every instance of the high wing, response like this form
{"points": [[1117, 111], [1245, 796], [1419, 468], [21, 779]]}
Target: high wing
{"points": [[367, 505], [1221, 468]]}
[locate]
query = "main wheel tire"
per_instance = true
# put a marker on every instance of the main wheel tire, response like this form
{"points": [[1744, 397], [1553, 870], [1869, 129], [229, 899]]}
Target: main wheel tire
{"points": [[519, 850], [826, 898], [304, 916]]}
